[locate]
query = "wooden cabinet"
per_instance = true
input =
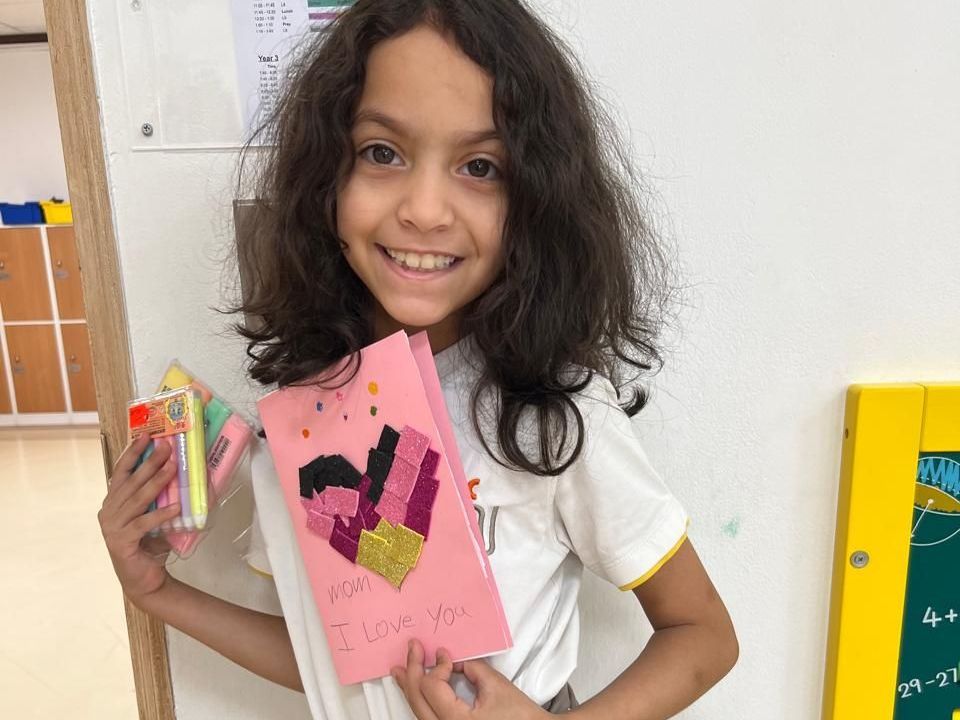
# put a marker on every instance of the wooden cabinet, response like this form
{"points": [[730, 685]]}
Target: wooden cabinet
{"points": [[46, 376], [5, 406], [76, 355], [65, 271], [24, 293], [37, 380]]}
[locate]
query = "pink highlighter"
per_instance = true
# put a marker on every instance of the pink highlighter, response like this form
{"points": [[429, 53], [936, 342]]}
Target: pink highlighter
{"points": [[222, 460], [226, 453]]}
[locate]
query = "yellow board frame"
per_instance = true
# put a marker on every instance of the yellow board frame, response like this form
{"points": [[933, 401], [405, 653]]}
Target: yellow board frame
{"points": [[886, 427]]}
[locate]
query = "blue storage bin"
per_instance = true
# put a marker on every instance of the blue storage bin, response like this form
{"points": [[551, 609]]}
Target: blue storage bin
{"points": [[26, 214]]}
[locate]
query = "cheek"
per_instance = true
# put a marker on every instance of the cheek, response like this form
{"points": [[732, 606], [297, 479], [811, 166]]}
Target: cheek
{"points": [[358, 210]]}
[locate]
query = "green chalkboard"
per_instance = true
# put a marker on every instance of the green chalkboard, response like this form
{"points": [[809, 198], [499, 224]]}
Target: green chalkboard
{"points": [[927, 687]]}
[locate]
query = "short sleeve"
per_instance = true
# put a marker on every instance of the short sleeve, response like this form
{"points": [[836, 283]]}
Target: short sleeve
{"points": [[613, 510], [255, 553]]}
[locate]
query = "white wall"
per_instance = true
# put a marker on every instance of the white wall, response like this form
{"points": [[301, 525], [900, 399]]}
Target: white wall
{"points": [[804, 159], [31, 158]]}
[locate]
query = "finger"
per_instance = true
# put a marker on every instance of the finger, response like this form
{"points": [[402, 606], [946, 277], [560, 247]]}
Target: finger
{"points": [[484, 678], [414, 678], [143, 474], [138, 502], [128, 458], [438, 692], [152, 520], [444, 667]]}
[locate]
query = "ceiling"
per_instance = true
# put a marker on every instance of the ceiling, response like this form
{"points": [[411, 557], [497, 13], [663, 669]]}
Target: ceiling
{"points": [[21, 17]]}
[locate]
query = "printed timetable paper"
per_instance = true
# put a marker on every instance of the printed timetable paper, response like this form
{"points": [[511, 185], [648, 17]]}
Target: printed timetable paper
{"points": [[444, 594], [268, 35]]}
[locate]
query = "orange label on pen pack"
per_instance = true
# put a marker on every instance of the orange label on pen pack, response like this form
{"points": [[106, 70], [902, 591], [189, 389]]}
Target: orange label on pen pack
{"points": [[164, 414]]}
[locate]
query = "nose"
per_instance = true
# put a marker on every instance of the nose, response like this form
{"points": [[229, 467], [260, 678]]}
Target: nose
{"points": [[426, 203]]}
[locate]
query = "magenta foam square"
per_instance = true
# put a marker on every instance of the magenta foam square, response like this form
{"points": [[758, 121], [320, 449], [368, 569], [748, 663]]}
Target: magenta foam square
{"points": [[401, 479], [344, 545], [418, 519], [412, 446], [392, 508], [424, 492], [319, 523], [351, 529], [340, 501], [430, 463], [370, 517], [364, 488]]}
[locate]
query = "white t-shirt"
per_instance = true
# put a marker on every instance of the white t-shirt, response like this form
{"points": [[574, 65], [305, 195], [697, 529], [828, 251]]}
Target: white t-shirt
{"points": [[609, 512]]}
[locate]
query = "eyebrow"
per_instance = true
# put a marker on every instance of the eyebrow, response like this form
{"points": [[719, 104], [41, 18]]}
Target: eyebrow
{"points": [[400, 128]]}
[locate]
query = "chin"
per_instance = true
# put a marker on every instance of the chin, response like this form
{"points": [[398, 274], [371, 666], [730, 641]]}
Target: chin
{"points": [[414, 315]]}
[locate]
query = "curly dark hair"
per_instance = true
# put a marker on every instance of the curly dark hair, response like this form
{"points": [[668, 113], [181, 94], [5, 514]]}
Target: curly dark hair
{"points": [[584, 276]]}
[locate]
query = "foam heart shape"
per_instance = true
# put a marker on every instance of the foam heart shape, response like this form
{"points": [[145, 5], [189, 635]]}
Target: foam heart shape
{"points": [[379, 519]]}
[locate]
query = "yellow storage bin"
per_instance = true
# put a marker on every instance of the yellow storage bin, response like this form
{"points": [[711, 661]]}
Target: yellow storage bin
{"points": [[57, 213]]}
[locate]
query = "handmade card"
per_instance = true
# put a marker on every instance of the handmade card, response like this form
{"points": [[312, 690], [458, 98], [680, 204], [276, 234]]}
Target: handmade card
{"points": [[371, 477]]}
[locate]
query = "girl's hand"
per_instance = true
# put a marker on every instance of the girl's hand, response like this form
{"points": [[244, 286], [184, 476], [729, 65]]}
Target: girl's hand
{"points": [[432, 698], [124, 524]]}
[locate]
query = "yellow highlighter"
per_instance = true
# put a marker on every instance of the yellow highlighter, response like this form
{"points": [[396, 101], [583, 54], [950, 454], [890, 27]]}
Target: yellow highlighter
{"points": [[197, 462]]}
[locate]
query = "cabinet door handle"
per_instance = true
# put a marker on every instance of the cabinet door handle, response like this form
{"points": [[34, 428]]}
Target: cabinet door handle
{"points": [[18, 369]]}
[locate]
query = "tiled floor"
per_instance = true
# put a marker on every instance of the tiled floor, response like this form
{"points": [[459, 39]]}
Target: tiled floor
{"points": [[63, 637]]}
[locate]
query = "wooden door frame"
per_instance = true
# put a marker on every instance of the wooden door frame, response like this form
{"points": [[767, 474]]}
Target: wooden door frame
{"points": [[75, 84]]}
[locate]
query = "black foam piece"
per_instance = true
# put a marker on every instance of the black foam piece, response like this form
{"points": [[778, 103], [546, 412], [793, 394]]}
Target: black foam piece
{"points": [[378, 466], [341, 473], [388, 440], [313, 476]]}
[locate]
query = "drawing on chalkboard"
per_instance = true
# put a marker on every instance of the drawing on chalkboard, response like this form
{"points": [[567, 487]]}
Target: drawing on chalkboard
{"points": [[937, 502]]}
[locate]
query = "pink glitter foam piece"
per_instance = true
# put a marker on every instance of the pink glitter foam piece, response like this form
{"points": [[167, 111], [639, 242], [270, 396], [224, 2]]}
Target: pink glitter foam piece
{"points": [[319, 523], [412, 446], [430, 463], [392, 508], [314, 503], [401, 479], [340, 501]]}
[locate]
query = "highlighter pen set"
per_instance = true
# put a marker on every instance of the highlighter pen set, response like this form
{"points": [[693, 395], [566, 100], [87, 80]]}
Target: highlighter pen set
{"points": [[207, 441]]}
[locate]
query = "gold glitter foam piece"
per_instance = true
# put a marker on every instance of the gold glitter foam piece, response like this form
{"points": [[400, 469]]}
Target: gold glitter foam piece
{"points": [[406, 546], [372, 554]]}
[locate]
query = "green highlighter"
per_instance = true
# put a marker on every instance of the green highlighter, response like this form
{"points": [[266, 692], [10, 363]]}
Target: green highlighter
{"points": [[215, 414]]}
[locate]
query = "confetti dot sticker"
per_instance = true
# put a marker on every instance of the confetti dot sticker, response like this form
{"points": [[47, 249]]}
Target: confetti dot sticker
{"points": [[373, 410], [319, 407], [344, 417], [339, 396], [471, 486], [305, 433], [373, 388]]}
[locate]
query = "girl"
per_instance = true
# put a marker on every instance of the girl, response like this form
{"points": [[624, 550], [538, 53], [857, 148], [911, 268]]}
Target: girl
{"points": [[438, 165]]}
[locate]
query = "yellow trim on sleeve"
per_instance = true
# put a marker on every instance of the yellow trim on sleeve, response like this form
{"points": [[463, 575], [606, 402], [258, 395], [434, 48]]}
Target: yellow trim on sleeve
{"points": [[258, 571], [652, 571]]}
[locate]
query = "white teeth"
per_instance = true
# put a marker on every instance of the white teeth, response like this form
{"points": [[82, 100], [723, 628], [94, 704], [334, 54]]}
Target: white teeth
{"points": [[426, 262]]}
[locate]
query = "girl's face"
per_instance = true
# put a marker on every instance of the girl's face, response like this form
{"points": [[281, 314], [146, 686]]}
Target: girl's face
{"points": [[422, 211]]}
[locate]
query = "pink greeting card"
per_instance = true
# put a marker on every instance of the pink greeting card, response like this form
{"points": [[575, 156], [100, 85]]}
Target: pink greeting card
{"points": [[372, 478]]}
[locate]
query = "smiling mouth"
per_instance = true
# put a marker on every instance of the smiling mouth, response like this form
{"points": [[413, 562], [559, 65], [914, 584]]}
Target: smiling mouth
{"points": [[421, 262]]}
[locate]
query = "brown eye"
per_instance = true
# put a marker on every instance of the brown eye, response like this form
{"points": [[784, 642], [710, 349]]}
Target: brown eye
{"points": [[482, 169], [380, 154]]}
